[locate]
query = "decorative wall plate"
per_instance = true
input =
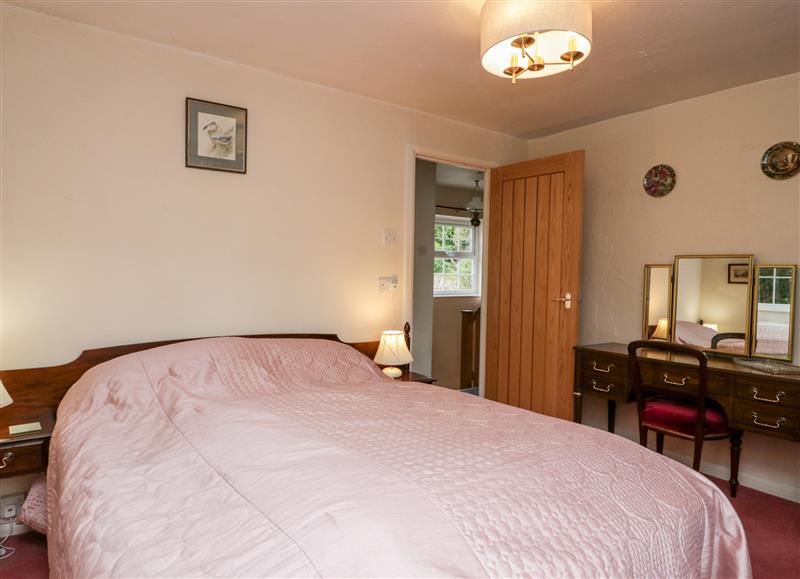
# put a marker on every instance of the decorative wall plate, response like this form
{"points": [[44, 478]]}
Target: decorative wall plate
{"points": [[781, 160], [659, 180]]}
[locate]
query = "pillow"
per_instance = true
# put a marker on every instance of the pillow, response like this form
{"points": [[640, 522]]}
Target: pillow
{"points": [[34, 510]]}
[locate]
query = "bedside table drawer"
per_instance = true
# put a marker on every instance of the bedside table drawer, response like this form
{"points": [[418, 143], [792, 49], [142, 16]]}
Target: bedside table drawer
{"points": [[22, 458]]}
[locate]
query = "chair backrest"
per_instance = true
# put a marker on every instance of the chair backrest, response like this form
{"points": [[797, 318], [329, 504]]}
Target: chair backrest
{"points": [[694, 391]]}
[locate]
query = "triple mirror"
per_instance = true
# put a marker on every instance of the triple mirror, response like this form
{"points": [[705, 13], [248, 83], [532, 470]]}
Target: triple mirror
{"points": [[723, 304]]}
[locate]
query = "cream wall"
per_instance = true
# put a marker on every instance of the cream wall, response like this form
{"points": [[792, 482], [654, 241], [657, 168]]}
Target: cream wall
{"points": [[722, 203], [107, 238], [722, 303], [659, 295], [690, 289]]}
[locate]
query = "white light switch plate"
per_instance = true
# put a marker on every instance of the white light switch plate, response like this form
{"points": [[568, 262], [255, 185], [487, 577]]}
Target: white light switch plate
{"points": [[389, 236]]}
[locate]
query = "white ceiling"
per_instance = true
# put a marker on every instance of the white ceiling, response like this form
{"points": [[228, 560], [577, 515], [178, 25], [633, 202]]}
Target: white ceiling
{"points": [[425, 55], [459, 177]]}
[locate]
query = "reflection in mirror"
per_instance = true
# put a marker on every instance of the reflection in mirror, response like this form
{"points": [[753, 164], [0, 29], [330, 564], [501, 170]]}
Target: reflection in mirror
{"points": [[712, 302], [773, 311], [657, 301]]}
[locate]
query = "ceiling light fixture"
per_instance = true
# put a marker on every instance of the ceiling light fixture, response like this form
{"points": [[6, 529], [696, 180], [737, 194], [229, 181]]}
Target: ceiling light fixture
{"points": [[531, 39]]}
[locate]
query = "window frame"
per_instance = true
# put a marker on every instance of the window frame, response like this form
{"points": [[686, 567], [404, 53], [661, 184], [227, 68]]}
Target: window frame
{"points": [[475, 255], [774, 277]]}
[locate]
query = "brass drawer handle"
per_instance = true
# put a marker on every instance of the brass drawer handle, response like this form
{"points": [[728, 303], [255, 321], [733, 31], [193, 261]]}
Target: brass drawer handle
{"points": [[596, 369], [600, 388], [775, 426], [7, 457], [673, 383], [776, 400]]}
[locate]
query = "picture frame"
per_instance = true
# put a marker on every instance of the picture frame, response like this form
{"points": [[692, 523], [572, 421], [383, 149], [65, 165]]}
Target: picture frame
{"points": [[216, 136], [738, 273]]}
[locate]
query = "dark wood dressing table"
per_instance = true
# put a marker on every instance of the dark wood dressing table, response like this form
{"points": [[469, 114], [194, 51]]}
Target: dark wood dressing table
{"points": [[754, 401]]}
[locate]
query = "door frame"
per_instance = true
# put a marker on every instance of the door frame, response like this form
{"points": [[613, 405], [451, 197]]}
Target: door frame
{"points": [[414, 152]]}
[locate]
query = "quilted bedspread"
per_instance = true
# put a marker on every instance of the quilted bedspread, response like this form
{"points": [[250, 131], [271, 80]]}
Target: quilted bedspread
{"points": [[242, 457]]}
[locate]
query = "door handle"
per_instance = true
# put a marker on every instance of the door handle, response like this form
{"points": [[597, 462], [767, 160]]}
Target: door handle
{"points": [[567, 299]]}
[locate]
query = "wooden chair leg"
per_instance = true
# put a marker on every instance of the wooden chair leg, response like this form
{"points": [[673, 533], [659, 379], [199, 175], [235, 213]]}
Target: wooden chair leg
{"points": [[736, 450], [643, 436], [660, 442], [698, 453]]}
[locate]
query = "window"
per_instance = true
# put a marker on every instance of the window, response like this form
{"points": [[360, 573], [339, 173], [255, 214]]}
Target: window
{"points": [[775, 287], [456, 257]]}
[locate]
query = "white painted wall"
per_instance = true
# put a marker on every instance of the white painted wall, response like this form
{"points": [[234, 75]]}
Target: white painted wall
{"points": [[722, 303], [689, 290], [107, 238], [722, 203]]}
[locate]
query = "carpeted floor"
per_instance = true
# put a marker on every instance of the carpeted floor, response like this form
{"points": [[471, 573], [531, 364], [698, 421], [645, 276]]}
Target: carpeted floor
{"points": [[772, 525]]}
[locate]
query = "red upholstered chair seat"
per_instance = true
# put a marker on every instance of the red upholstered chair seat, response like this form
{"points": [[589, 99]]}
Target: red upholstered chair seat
{"points": [[679, 416]]}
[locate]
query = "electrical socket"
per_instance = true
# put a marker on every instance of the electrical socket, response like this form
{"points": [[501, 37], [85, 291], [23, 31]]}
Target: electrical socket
{"points": [[10, 505]]}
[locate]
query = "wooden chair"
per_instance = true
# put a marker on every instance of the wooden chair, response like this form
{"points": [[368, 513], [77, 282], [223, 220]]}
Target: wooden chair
{"points": [[689, 415]]}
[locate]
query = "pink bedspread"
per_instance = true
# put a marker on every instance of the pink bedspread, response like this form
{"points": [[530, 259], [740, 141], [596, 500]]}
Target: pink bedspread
{"points": [[241, 457]]}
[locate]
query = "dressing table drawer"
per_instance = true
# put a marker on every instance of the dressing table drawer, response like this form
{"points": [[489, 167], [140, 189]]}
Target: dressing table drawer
{"points": [[775, 394], [766, 418], [604, 368], [683, 379], [605, 387]]}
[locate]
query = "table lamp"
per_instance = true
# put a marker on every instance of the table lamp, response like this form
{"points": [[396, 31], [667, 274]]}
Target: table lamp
{"points": [[660, 332], [393, 352], [5, 397]]}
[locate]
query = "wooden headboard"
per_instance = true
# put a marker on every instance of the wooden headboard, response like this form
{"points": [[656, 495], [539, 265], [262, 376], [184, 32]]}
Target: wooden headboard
{"points": [[37, 390]]}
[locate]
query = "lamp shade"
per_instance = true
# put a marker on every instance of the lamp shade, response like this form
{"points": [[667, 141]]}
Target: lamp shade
{"points": [[661, 330], [393, 350], [5, 397], [554, 28]]}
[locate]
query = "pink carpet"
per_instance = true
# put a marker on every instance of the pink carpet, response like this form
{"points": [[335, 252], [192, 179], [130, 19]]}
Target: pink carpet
{"points": [[772, 525]]}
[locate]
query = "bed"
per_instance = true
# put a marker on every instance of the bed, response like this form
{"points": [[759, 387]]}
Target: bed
{"points": [[772, 339], [693, 334], [297, 458]]}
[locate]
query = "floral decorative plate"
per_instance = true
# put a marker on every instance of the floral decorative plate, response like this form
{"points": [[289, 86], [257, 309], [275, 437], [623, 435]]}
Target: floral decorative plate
{"points": [[781, 160], [659, 180]]}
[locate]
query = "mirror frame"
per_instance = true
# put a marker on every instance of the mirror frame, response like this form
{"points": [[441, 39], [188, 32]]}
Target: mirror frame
{"points": [[754, 299], [748, 335], [645, 310]]}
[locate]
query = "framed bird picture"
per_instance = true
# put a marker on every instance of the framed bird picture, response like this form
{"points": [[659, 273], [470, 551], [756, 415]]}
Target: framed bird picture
{"points": [[216, 136]]}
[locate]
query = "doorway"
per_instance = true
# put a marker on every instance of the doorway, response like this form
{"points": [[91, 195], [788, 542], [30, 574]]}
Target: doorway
{"points": [[447, 272]]}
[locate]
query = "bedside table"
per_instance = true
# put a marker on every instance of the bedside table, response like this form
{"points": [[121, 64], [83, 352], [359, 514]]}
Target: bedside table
{"points": [[414, 377], [24, 453]]}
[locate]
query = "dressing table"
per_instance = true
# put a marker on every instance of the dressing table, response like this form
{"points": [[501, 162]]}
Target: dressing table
{"points": [[753, 401], [726, 305]]}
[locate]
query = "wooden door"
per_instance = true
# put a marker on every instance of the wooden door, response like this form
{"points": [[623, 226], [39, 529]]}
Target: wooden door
{"points": [[535, 219]]}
